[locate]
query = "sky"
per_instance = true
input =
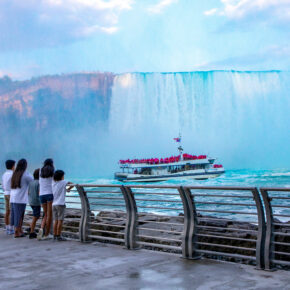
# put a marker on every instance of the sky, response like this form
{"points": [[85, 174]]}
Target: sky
{"points": [[41, 37]]}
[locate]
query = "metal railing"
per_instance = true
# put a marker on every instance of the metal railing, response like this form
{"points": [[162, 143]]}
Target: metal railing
{"points": [[105, 213], [232, 223], [277, 240], [168, 218], [157, 217]]}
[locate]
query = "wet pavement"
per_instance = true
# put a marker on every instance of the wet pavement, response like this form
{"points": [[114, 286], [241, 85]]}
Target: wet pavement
{"points": [[32, 264]]}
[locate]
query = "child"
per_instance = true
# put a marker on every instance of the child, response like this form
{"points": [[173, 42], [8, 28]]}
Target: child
{"points": [[6, 183], [33, 197], [46, 197], [58, 205]]}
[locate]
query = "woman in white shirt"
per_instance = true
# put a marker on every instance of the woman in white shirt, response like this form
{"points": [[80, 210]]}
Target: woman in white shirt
{"points": [[19, 196], [46, 198]]}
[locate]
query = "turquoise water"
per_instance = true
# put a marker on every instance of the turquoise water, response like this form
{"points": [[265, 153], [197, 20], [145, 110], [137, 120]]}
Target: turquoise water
{"points": [[171, 204], [245, 177]]}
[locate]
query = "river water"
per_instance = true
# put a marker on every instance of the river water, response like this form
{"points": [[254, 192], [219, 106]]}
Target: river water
{"points": [[252, 178], [244, 177]]}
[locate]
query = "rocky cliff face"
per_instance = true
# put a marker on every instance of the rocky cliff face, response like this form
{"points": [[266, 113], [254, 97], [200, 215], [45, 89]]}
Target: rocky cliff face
{"points": [[55, 100], [59, 116]]}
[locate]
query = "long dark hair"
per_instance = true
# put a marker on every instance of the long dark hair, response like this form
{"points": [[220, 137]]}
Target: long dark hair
{"points": [[36, 174], [48, 169], [17, 175]]}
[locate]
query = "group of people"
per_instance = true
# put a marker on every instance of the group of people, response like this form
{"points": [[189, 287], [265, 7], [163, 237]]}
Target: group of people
{"points": [[47, 189]]}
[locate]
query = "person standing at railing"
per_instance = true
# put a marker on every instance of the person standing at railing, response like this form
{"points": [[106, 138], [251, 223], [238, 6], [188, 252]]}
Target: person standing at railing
{"points": [[19, 196], [46, 198], [6, 184], [34, 202], [58, 205]]}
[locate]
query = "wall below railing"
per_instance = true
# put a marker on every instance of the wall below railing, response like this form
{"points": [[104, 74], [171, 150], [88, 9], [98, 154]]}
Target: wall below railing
{"points": [[238, 224]]}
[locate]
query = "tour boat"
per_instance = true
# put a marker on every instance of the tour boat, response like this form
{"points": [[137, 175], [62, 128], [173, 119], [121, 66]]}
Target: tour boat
{"points": [[183, 166]]}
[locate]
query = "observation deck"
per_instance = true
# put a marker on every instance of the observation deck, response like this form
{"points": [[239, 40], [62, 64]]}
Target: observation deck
{"points": [[133, 236], [73, 265]]}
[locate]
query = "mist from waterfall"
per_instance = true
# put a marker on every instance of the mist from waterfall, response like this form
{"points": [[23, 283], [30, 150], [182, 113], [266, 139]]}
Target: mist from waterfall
{"points": [[243, 118]]}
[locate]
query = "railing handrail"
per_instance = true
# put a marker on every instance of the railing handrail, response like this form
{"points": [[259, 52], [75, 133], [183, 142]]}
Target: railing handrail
{"points": [[243, 188], [177, 186], [275, 188]]}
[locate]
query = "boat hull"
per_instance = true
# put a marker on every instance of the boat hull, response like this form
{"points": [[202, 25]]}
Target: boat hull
{"points": [[157, 178]]}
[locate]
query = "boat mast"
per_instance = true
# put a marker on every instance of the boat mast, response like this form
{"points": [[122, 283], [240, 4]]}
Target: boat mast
{"points": [[180, 149]]}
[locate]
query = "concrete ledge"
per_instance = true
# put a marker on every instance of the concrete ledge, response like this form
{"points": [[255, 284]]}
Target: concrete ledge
{"points": [[32, 264]]}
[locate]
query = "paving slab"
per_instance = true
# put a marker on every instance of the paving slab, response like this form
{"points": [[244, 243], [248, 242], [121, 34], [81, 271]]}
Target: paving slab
{"points": [[32, 264]]}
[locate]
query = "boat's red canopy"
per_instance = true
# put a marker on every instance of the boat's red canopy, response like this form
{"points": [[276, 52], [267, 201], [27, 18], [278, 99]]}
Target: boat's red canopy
{"points": [[171, 159], [217, 166]]}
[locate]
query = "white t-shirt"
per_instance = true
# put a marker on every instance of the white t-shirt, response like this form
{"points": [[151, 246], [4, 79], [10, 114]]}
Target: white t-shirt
{"points": [[59, 190], [6, 181], [20, 195], [45, 185]]}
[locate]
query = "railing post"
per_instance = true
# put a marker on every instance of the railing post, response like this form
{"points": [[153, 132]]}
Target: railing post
{"points": [[260, 245], [268, 252], [85, 214], [131, 220], [189, 237]]}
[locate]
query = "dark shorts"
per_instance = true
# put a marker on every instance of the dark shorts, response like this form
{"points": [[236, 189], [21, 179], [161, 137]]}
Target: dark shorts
{"points": [[17, 213], [36, 210], [58, 212], [46, 198]]}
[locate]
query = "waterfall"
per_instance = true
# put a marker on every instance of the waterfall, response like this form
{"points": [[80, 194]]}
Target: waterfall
{"points": [[243, 118]]}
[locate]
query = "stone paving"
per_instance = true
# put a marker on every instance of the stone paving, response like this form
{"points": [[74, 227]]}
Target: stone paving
{"points": [[32, 264]]}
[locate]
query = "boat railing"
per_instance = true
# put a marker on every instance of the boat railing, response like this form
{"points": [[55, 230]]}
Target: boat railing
{"points": [[237, 224]]}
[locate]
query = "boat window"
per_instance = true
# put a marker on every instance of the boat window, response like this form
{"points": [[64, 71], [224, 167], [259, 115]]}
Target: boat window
{"points": [[146, 171]]}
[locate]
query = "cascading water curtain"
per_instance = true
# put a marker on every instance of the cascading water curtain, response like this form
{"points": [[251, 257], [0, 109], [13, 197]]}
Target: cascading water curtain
{"points": [[241, 117]]}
